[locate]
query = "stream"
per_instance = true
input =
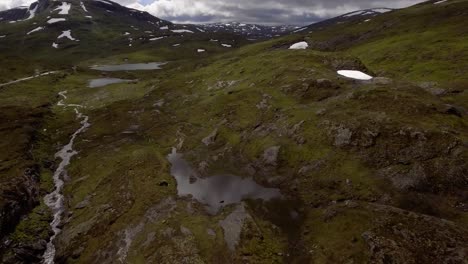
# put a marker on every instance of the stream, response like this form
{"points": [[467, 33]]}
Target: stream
{"points": [[54, 200]]}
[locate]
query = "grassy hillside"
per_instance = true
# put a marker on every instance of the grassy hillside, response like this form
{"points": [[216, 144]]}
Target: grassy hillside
{"points": [[426, 42], [369, 171]]}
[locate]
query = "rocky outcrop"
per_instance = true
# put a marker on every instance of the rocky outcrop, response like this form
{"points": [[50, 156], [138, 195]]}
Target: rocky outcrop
{"points": [[404, 237], [270, 155], [411, 158], [232, 226], [19, 197], [211, 138], [313, 89], [19, 177]]}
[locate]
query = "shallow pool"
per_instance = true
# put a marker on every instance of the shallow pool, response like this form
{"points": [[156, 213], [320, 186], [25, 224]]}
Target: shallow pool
{"points": [[129, 67]]}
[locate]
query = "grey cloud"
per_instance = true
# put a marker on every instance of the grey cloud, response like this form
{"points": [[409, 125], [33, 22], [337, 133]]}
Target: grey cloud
{"points": [[297, 12], [293, 12]]}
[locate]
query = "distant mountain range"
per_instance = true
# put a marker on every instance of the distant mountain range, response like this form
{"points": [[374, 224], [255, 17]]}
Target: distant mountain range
{"points": [[133, 17], [250, 30]]}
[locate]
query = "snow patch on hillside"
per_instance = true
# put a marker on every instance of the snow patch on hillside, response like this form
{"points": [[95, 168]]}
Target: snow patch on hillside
{"points": [[105, 2], [64, 8], [299, 46], [83, 7], [299, 30], [35, 30], [158, 38], [358, 75], [374, 11], [67, 34], [55, 20], [182, 31], [32, 13]]}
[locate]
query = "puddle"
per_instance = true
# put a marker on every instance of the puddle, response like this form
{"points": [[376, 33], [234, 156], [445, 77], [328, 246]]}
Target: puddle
{"points": [[218, 190], [130, 67], [105, 81]]}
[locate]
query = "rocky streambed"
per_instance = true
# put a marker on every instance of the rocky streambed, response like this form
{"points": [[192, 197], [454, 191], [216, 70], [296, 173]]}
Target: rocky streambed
{"points": [[55, 200]]}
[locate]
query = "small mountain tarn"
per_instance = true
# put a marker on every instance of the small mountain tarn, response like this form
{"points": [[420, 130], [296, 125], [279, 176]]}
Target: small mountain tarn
{"points": [[55, 199], [95, 83], [219, 190], [130, 67]]}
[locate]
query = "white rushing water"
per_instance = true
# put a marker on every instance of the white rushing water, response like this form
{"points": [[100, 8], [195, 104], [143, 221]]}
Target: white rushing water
{"points": [[55, 199]]}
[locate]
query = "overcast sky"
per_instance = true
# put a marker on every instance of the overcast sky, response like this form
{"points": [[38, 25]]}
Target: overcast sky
{"points": [[297, 12]]}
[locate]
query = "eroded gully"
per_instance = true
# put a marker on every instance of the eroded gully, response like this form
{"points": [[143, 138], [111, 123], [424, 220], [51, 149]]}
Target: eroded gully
{"points": [[54, 200]]}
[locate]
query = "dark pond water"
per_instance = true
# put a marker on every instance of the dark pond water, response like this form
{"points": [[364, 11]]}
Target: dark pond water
{"points": [[129, 67], [105, 81], [218, 190]]}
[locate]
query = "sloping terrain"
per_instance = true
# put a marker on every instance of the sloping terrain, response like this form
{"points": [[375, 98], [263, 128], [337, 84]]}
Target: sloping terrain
{"points": [[426, 42], [62, 33], [331, 169]]}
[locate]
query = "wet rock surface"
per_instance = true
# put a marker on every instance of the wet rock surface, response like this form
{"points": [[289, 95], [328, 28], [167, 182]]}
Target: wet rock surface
{"points": [[232, 226]]}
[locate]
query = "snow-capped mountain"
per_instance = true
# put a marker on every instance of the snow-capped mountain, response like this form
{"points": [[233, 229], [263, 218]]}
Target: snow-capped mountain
{"points": [[253, 31], [75, 9], [94, 26], [355, 16]]}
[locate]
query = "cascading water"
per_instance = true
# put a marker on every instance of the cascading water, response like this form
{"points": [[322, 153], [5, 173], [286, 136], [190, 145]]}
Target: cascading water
{"points": [[54, 200]]}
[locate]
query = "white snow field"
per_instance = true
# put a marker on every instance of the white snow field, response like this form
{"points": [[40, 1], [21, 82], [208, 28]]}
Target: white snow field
{"points": [[182, 31], [299, 46], [358, 75], [105, 2], [67, 34], [35, 30], [55, 20], [64, 8], [157, 38], [32, 13]]}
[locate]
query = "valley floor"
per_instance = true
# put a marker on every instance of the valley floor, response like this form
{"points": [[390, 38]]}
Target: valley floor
{"points": [[344, 171]]}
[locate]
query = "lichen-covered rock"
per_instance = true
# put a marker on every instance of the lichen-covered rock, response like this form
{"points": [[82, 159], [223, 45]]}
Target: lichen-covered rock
{"points": [[232, 226], [211, 138], [405, 237], [270, 155]]}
